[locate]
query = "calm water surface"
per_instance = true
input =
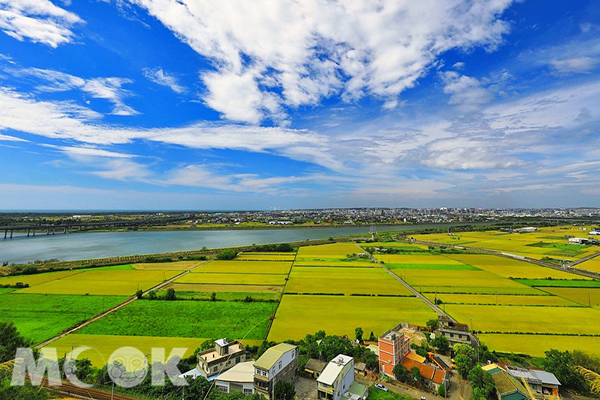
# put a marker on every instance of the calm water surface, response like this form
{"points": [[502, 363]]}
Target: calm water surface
{"points": [[78, 246]]}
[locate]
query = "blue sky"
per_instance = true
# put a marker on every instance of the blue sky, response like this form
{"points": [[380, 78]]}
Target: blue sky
{"points": [[192, 104]]}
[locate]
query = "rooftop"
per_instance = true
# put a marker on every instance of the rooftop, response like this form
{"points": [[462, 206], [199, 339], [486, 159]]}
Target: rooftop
{"points": [[506, 384], [315, 365], [355, 391], [427, 371], [272, 355], [333, 369], [213, 354], [242, 372]]}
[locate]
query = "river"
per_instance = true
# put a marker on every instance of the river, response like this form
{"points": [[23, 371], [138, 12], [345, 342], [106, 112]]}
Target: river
{"points": [[86, 245]]}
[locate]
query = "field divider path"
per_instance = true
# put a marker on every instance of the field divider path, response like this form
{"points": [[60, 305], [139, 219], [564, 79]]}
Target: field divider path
{"points": [[414, 291], [569, 268], [117, 307]]}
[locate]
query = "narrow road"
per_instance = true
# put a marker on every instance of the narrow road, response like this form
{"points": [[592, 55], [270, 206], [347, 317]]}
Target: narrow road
{"points": [[414, 291], [117, 307]]}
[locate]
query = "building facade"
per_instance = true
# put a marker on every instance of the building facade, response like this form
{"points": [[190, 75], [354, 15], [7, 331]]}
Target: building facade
{"points": [[239, 378], [224, 356], [393, 346], [336, 378], [279, 362]]}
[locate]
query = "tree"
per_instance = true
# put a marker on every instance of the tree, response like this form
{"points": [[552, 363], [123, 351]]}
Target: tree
{"points": [[152, 295], [401, 373], [441, 343], [284, 390], [415, 372], [10, 340], [170, 294], [433, 324], [481, 382], [463, 364], [359, 334], [227, 254], [465, 349], [561, 364], [372, 337], [213, 296], [441, 390], [139, 294]]}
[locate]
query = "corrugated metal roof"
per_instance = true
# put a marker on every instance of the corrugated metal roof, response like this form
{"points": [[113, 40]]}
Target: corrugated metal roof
{"points": [[272, 355]]}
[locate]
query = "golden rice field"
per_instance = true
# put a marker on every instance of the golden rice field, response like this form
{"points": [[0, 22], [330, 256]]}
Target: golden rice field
{"points": [[590, 265], [516, 243], [334, 250], [528, 319], [510, 268], [585, 296], [246, 267], [91, 287], [234, 279], [170, 266], [462, 282], [535, 345], [394, 244], [203, 287], [266, 256], [36, 279], [344, 280], [502, 299], [340, 315], [416, 259], [320, 263]]}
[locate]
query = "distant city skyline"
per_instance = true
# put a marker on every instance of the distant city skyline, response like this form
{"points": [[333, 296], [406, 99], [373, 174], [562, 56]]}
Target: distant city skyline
{"points": [[232, 105]]}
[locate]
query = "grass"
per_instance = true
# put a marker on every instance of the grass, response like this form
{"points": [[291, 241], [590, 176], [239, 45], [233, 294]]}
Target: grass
{"points": [[235, 279], [102, 346], [246, 267], [528, 319], [583, 296], [502, 299], [203, 319], [340, 315], [335, 250], [510, 268], [377, 394], [560, 283], [6, 290], [536, 345], [40, 317], [344, 280]]}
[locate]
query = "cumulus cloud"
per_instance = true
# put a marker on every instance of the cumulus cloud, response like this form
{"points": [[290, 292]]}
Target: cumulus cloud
{"points": [[160, 77], [293, 53], [37, 20], [575, 65], [465, 92]]}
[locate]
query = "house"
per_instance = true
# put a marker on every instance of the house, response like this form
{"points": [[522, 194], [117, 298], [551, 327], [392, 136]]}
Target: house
{"points": [[224, 356], [314, 367], [239, 378], [433, 376], [541, 382], [360, 368], [337, 381], [279, 362], [456, 332], [507, 386], [439, 362], [393, 346], [578, 240]]}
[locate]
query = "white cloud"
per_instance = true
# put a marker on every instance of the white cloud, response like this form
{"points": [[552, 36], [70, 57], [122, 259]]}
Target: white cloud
{"points": [[466, 92], [37, 20], [293, 53], [575, 65], [160, 77], [110, 89], [11, 138]]}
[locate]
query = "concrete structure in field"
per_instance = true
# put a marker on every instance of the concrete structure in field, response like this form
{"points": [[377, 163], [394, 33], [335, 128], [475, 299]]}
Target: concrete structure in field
{"points": [[455, 332], [337, 381], [278, 363], [393, 346], [224, 356], [541, 382], [239, 378]]}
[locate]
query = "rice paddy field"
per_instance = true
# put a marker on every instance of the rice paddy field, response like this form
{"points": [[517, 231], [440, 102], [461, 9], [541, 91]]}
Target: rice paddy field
{"points": [[501, 299], [340, 315], [346, 264], [584, 296], [347, 281], [546, 242], [590, 265], [247, 267], [42, 316], [254, 256], [328, 251], [170, 266], [193, 291], [233, 279], [192, 319], [536, 345]]}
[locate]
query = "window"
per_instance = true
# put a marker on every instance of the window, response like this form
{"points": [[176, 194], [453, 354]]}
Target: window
{"points": [[279, 364], [248, 391], [215, 369], [237, 359], [222, 388]]}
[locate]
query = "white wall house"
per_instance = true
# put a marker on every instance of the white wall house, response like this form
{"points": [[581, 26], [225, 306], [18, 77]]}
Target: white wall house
{"points": [[336, 378]]}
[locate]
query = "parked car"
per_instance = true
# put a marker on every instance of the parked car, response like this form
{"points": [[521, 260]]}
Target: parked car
{"points": [[381, 387]]}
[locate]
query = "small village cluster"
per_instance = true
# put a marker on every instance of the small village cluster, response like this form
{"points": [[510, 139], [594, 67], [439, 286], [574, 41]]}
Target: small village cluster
{"points": [[229, 367]]}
